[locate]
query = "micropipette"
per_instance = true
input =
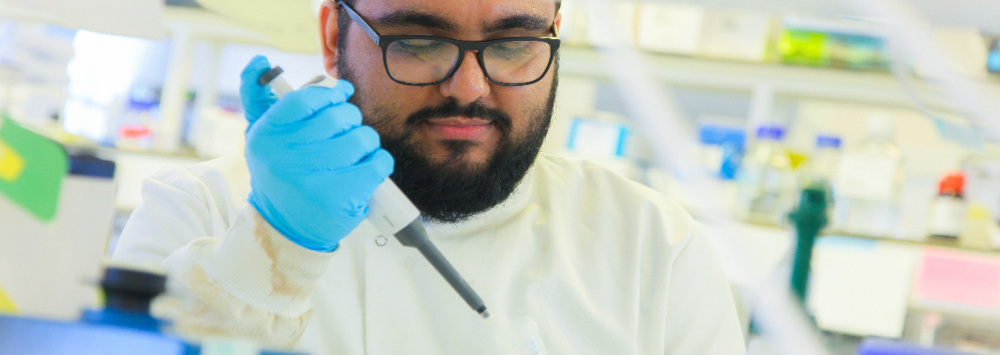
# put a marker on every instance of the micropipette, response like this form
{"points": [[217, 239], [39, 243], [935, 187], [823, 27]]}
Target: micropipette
{"points": [[391, 212]]}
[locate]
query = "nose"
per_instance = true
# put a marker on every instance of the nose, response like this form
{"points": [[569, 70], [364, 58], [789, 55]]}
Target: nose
{"points": [[469, 83]]}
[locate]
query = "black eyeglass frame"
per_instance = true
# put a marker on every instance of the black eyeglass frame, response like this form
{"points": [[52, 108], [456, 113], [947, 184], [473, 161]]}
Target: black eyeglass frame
{"points": [[463, 46]]}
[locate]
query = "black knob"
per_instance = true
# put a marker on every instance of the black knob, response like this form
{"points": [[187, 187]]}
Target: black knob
{"points": [[131, 291]]}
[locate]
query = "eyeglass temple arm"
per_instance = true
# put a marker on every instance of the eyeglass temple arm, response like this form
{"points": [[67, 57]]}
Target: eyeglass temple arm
{"points": [[361, 22]]}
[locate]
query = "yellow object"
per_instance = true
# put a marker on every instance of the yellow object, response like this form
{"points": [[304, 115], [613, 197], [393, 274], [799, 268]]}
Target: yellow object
{"points": [[976, 228], [796, 158], [11, 163], [6, 305]]}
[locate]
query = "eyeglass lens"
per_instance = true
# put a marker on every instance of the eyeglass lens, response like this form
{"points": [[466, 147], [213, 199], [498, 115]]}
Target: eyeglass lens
{"points": [[422, 61]]}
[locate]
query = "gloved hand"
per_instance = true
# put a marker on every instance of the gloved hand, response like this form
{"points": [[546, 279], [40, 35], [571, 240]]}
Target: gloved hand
{"points": [[256, 99], [313, 165]]}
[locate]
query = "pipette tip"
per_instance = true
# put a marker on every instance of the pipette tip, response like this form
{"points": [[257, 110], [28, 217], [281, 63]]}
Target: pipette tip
{"points": [[484, 313]]}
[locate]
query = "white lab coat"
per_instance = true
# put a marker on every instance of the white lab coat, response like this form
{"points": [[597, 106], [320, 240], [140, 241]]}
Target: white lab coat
{"points": [[578, 260]]}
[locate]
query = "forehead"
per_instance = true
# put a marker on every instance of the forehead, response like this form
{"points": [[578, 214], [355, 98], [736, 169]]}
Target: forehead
{"points": [[463, 12]]}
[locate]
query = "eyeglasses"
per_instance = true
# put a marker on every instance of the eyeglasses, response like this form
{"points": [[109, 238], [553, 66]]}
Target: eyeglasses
{"points": [[426, 60]]}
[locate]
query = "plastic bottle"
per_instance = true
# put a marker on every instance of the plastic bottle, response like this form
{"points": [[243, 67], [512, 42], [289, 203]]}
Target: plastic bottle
{"points": [[821, 168], [867, 184], [822, 165], [135, 129], [978, 228], [766, 180], [947, 213]]}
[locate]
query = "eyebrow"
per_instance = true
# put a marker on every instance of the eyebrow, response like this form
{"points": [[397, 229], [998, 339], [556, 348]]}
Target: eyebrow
{"points": [[405, 18], [523, 21]]}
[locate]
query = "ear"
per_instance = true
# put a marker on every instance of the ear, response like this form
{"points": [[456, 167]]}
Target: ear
{"points": [[558, 22], [329, 34]]}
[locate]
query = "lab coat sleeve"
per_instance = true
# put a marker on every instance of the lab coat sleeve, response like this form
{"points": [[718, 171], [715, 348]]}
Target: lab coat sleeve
{"points": [[230, 274], [697, 280]]}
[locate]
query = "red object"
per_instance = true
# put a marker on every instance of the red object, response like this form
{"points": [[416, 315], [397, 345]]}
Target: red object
{"points": [[134, 131], [952, 184]]}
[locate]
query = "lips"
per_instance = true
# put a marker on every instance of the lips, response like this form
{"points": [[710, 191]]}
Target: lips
{"points": [[460, 128]]}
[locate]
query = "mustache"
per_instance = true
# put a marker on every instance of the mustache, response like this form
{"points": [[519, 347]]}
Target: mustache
{"points": [[451, 109]]}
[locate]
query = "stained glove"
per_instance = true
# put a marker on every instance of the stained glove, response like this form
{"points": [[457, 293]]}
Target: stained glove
{"points": [[313, 165]]}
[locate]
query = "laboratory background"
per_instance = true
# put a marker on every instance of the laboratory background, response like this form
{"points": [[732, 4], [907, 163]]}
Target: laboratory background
{"points": [[842, 154]]}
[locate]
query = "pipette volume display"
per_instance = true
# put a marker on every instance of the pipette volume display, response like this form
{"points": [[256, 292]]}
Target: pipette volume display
{"points": [[391, 212]]}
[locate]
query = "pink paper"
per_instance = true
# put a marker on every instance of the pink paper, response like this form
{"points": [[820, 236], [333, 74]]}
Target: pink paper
{"points": [[960, 277]]}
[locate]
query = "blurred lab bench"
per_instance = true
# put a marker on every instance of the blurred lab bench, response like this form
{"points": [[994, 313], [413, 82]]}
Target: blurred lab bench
{"points": [[135, 166], [870, 287]]}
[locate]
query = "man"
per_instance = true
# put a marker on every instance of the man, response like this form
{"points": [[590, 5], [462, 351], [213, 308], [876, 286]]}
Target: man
{"points": [[569, 258]]}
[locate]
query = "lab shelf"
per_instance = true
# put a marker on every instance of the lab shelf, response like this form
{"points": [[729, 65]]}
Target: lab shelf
{"points": [[266, 24], [917, 243], [203, 24], [978, 14], [120, 17], [769, 79], [788, 230], [783, 80]]}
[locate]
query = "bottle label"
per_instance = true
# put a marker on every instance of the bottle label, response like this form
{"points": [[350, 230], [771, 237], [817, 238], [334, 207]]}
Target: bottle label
{"points": [[866, 177], [946, 217]]}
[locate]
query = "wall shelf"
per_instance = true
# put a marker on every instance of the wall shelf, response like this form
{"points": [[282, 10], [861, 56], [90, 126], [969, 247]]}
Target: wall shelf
{"points": [[203, 24], [976, 14], [784, 80]]}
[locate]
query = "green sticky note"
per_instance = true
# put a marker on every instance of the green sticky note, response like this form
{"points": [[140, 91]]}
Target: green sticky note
{"points": [[32, 168]]}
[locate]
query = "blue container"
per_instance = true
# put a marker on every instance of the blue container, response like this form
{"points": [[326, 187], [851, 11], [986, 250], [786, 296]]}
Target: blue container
{"points": [[123, 327], [878, 346], [993, 62]]}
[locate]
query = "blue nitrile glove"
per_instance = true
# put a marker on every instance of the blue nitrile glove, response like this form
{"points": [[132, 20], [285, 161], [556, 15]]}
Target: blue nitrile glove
{"points": [[313, 166], [256, 99]]}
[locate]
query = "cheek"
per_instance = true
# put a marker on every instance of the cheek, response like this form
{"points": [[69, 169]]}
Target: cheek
{"points": [[365, 64], [525, 104], [385, 104], [371, 95]]}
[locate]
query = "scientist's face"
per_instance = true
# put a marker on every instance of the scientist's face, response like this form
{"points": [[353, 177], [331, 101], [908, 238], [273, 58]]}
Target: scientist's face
{"points": [[461, 145]]}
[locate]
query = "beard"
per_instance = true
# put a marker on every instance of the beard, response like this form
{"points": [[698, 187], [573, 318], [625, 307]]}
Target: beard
{"points": [[454, 189]]}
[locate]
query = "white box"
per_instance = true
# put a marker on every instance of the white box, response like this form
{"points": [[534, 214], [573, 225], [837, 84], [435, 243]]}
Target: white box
{"points": [[669, 28], [51, 269]]}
